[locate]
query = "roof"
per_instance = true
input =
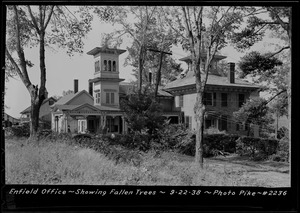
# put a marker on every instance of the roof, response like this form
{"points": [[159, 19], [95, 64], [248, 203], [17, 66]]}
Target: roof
{"points": [[65, 107], [125, 88], [203, 54], [28, 109], [189, 80], [106, 108], [67, 98], [161, 92], [97, 50]]}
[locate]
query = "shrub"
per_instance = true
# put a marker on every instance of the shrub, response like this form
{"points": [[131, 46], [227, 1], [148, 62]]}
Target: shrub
{"points": [[212, 145], [282, 153], [256, 148], [22, 130]]}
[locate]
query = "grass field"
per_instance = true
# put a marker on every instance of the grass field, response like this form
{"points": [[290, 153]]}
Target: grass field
{"points": [[63, 163]]}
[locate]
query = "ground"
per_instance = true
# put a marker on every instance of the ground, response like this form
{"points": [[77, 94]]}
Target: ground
{"points": [[65, 163]]}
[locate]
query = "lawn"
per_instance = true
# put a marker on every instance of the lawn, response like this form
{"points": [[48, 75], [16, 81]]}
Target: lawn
{"points": [[62, 162]]}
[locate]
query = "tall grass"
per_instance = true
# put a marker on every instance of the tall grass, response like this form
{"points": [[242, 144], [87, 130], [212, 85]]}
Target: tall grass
{"points": [[60, 162]]}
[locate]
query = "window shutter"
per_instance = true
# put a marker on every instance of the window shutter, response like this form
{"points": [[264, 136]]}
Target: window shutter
{"points": [[107, 98], [112, 98], [176, 101], [181, 101], [190, 122]]}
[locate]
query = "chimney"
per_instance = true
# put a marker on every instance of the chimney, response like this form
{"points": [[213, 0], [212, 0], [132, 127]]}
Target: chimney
{"points": [[75, 86], [231, 73], [91, 88]]}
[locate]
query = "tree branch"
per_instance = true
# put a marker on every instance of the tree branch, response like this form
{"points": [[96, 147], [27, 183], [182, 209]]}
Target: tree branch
{"points": [[49, 17], [279, 51], [15, 64], [33, 20], [20, 51]]}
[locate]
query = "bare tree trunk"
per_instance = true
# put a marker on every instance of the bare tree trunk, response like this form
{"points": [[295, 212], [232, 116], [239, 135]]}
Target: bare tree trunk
{"points": [[199, 133]]}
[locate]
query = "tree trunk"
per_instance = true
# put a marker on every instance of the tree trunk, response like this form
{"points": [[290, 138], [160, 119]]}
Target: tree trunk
{"points": [[199, 133], [158, 75], [34, 124], [199, 110], [140, 77]]}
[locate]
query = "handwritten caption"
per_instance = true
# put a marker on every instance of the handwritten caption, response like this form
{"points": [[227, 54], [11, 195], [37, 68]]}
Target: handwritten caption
{"points": [[141, 192]]}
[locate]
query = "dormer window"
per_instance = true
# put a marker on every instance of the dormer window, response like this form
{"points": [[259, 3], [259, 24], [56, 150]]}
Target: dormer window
{"points": [[105, 65], [109, 65], [114, 66]]}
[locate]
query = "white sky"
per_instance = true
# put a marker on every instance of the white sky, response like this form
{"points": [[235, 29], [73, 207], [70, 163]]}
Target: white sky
{"points": [[62, 69]]}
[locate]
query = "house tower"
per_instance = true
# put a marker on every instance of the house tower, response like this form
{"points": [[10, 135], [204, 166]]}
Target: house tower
{"points": [[104, 87]]}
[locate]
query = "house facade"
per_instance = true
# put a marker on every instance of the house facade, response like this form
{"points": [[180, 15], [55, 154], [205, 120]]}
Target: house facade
{"points": [[98, 110], [223, 96]]}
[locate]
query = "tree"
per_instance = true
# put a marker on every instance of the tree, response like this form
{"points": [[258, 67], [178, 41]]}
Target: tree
{"points": [[141, 112], [42, 26], [279, 22], [255, 111], [143, 24], [202, 29], [64, 93]]}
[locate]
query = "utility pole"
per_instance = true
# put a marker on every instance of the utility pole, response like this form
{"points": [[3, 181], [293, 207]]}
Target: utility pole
{"points": [[158, 75]]}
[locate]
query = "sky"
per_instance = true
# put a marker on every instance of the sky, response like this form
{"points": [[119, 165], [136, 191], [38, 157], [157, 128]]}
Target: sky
{"points": [[62, 69]]}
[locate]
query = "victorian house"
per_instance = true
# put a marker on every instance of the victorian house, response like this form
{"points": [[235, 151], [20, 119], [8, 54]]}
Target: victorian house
{"points": [[98, 109]]}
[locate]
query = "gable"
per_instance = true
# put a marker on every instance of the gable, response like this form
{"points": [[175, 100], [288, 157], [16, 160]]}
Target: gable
{"points": [[82, 98]]}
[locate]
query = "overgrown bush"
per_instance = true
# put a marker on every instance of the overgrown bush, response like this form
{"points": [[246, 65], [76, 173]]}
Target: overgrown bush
{"points": [[214, 144], [256, 148], [19, 130], [282, 153]]}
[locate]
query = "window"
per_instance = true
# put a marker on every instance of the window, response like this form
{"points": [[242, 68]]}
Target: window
{"points": [[98, 98], [97, 66], [110, 98], [105, 65], [237, 127], [215, 99], [181, 101], [210, 123], [241, 99], [188, 122], [224, 99], [223, 122], [114, 66], [109, 65], [207, 99]]}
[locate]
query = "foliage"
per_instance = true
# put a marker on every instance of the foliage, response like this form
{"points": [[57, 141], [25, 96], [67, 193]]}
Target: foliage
{"points": [[256, 148], [39, 27], [142, 112], [214, 144], [255, 111], [144, 26], [259, 64], [273, 18], [22, 130]]}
